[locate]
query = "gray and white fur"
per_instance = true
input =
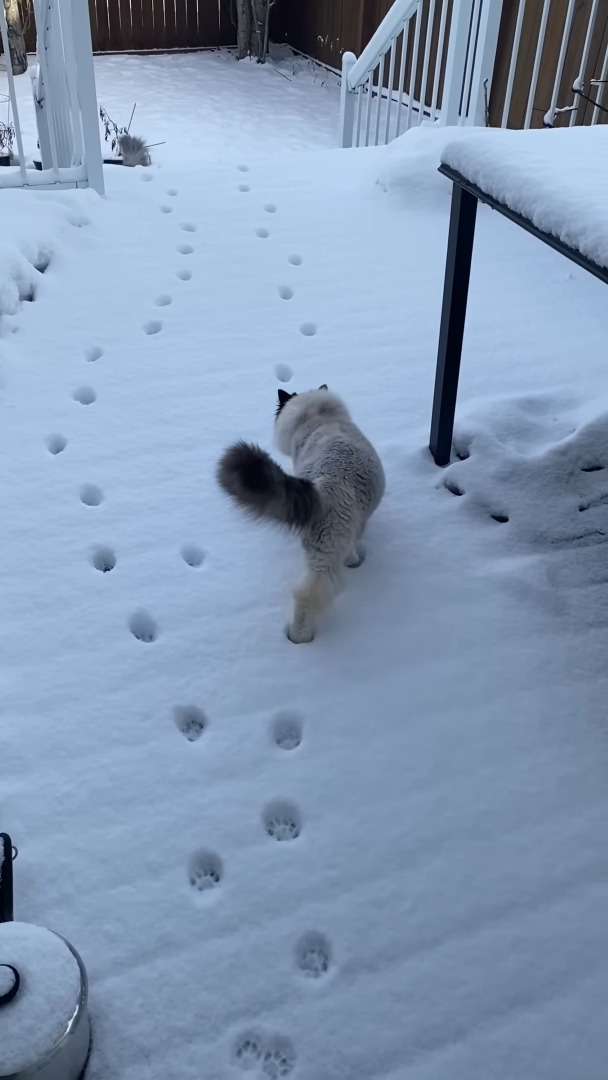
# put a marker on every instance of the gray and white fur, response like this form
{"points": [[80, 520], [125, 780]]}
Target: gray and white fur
{"points": [[133, 150], [338, 483]]}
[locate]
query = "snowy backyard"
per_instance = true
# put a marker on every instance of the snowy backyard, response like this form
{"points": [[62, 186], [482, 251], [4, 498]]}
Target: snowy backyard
{"points": [[438, 756]]}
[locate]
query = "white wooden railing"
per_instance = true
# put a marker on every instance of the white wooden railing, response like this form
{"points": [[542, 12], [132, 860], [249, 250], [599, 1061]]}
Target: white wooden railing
{"points": [[585, 86], [423, 64], [402, 77], [65, 98]]}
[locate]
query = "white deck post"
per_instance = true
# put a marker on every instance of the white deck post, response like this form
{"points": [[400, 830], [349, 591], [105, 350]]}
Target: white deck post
{"points": [[347, 101], [42, 118], [87, 94], [485, 57], [456, 63]]}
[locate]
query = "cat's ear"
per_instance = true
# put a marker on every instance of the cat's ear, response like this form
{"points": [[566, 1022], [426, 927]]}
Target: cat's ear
{"points": [[323, 386], [284, 397]]}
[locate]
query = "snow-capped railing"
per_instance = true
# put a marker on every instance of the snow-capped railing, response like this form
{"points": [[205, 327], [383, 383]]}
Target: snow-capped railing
{"points": [[444, 69], [65, 100]]}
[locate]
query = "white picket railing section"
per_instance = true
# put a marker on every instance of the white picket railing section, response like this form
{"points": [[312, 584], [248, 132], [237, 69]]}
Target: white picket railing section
{"points": [[65, 99], [584, 83], [465, 50], [422, 64]]}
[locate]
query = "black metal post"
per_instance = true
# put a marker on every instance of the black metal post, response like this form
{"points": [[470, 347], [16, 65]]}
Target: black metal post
{"points": [[453, 314], [6, 878]]}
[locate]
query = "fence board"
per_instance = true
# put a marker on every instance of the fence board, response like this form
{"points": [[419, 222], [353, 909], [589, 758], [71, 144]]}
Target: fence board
{"points": [[137, 33], [126, 32], [158, 15], [192, 20], [213, 31], [147, 23], [103, 26], [29, 27], [170, 31], [181, 24]]}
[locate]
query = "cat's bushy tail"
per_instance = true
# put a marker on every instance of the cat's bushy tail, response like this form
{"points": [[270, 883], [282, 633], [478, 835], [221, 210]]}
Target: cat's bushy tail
{"points": [[133, 150], [250, 476]]}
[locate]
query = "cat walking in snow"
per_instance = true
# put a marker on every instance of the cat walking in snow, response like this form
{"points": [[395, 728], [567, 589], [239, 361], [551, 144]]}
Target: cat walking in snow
{"points": [[338, 483]]}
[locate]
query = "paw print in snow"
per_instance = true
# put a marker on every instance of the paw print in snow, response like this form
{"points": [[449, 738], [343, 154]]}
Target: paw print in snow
{"points": [[204, 870], [313, 955], [248, 1053], [279, 1059], [270, 1058], [282, 821]]}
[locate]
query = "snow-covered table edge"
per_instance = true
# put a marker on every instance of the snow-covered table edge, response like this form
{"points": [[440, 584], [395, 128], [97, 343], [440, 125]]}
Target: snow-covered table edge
{"points": [[465, 197]]}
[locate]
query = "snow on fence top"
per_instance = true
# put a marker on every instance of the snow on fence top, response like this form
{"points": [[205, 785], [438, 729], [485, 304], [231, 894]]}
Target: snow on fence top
{"points": [[556, 179]]}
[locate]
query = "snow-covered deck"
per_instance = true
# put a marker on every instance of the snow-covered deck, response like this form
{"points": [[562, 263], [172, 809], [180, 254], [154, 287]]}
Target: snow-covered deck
{"points": [[441, 746]]}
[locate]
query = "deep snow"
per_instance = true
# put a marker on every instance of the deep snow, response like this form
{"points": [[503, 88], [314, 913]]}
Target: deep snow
{"points": [[198, 107], [440, 750]]}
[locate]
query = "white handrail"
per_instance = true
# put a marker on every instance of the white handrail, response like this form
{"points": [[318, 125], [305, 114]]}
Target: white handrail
{"points": [[451, 45], [392, 24], [419, 28]]}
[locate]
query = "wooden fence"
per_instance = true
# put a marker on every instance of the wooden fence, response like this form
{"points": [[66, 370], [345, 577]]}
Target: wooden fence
{"points": [[322, 28], [325, 29], [141, 25]]}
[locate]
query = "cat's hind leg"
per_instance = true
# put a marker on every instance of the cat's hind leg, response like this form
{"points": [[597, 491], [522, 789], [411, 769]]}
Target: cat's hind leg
{"points": [[310, 599]]}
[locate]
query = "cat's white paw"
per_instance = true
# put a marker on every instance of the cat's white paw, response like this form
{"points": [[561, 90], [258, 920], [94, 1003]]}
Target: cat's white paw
{"points": [[299, 633]]}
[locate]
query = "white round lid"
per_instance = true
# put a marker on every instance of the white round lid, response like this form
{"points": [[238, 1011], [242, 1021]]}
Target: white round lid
{"points": [[33, 1022]]}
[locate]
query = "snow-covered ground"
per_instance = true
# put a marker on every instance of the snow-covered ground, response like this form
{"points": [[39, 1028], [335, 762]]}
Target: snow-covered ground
{"points": [[201, 107], [439, 754]]}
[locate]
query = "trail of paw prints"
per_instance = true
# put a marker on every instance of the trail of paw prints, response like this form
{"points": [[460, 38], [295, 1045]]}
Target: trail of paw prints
{"points": [[243, 186], [271, 1056], [270, 208]]}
